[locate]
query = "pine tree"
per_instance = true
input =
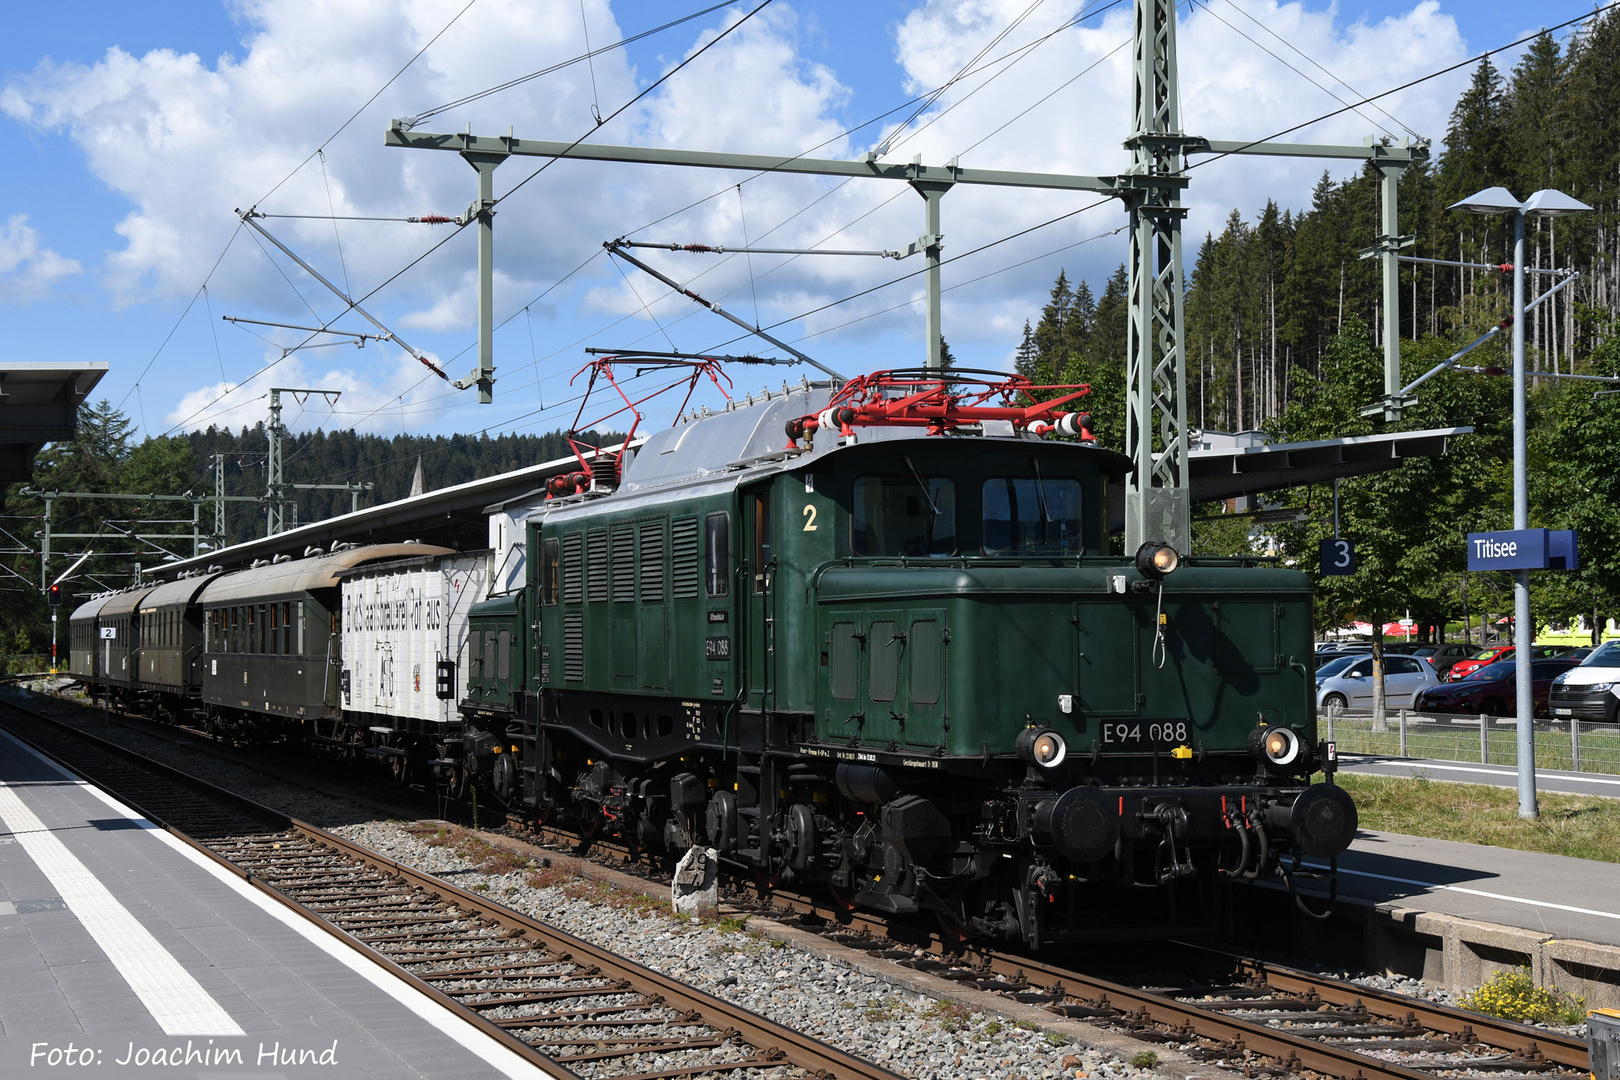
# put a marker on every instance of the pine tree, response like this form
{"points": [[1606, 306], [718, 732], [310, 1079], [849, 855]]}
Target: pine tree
{"points": [[1025, 359]]}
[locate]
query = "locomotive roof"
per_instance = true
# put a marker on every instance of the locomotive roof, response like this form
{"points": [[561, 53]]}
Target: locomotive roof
{"points": [[182, 592], [303, 575], [715, 450]]}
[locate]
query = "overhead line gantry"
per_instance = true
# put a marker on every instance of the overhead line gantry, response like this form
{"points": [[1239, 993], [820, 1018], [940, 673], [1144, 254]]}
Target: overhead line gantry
{"points": [[1157, 499]]}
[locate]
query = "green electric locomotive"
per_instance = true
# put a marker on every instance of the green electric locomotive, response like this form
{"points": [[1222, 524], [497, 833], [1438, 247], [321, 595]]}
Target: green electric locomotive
{"points": [[870, 638]]}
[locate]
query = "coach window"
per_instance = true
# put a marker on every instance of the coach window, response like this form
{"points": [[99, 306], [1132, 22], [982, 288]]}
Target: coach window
{"points": [[717, 554], [903, 515], [1032, 515], [550, 575]]}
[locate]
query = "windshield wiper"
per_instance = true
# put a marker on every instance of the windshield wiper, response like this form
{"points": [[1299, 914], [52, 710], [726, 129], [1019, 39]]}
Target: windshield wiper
{"points": [[1040, 490]]}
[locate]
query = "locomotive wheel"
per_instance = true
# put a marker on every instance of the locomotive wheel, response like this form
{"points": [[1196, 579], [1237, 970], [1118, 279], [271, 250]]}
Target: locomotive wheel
{"points": [[400, 768]]}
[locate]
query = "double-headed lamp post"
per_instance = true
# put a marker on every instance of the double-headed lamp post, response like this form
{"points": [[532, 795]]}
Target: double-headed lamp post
{"points": [[1547, 203]]}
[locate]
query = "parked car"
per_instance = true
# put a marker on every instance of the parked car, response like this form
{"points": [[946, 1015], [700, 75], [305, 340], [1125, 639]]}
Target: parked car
{"points": [[1405, 677], [1335, 664], [1442, 657], [1592, 690], [1461, 669], [1502, 653], [1576, 652], [1493, 690]]}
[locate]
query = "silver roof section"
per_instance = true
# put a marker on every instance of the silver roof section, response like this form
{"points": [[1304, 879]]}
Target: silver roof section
{"points": [[302, 575], [456, 517]]}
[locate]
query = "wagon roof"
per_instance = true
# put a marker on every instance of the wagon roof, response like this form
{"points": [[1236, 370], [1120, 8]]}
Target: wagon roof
{"points": [[302, 575], [181, 592], [90, 608], [125, 602]]}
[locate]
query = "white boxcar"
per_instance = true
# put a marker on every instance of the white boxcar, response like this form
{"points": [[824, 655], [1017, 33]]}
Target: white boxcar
{"points": [[401, 619]]}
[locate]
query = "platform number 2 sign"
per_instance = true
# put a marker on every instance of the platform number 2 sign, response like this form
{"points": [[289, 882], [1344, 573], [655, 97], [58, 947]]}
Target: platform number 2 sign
{"points": [[1338, 557]]}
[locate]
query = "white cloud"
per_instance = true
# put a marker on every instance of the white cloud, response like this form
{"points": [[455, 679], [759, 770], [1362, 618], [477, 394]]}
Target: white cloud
{"points": [[27, 271], [390, 398], [185, 140]]}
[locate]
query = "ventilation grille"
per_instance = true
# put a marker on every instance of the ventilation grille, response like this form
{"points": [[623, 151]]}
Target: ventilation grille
{"points": [[684, 549], [624, 564], [574, 646], [596, 569], [573, 583], [652, 561]]}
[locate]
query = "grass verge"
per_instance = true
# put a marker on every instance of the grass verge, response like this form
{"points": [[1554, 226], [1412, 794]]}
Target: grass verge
{"points": [[1581, 826]]}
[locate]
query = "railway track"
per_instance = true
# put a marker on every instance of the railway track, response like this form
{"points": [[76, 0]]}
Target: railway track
{"points": [[1258, 1018], [570, 1007]]}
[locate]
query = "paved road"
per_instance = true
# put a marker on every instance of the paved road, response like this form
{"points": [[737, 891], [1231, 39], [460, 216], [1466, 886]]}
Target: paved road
{"points": [[1461, 772]]}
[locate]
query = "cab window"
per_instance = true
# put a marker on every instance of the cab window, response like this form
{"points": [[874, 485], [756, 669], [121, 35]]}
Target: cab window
{"points": [[1032, 515], [717, 554], [903, 515]]}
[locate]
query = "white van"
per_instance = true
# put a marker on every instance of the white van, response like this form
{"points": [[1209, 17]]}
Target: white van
{"points": [[1591, 691]]}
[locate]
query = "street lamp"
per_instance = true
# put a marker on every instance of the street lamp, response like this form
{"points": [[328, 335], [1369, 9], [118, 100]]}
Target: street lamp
{"points": [[1547, 203]]}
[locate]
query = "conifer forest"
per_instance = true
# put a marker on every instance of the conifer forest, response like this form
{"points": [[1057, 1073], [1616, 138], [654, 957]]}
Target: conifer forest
{"points": [[1283, 318]]}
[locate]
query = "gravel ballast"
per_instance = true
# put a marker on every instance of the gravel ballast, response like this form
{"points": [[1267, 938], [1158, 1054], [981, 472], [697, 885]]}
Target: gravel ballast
{"points": [[874, 1018]]}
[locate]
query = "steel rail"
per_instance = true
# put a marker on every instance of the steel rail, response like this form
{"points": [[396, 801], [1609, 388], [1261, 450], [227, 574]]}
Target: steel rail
{"points": [[971, 963], [779, 1044]]}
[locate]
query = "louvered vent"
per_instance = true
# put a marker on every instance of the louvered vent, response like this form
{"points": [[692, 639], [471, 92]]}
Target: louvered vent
{"points": [[573, 582], [574, 646], [652, 561], [624, 564], [684, 549], [596, 570]]}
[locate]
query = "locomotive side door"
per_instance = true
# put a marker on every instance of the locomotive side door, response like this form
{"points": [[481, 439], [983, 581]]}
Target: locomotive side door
{"points": [[759, 648]]}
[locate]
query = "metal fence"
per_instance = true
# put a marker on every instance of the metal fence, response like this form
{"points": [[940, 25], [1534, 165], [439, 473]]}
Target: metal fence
{"points": [[1575, 745]]}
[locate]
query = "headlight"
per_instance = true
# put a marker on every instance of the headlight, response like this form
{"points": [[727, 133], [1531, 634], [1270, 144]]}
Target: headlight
{"points": [[1598, 687], [1156, 560], [1278, 745], [1042, 746]]}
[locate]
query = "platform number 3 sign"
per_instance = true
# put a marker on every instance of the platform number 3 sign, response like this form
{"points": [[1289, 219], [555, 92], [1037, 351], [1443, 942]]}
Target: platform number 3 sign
{"points": [[1338, 557]]}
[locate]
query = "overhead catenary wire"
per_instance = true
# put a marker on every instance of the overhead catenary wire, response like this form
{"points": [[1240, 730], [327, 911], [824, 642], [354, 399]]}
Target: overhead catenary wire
{"points": [[1208, 10], [1312, 61], [1476, 58], [416, 119]]}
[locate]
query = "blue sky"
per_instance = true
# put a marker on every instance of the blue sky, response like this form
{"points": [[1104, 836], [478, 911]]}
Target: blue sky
{"points": [[134, 130]]}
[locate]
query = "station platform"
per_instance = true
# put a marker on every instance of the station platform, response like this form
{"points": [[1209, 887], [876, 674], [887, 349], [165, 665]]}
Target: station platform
{"points": [[1455, 913], [1462, 772], [126, 953]]}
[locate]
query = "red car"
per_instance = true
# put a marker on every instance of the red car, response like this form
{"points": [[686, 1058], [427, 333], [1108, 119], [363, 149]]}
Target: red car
{"points": [[1493, 690], [1497, 654], [1463, 668]]}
